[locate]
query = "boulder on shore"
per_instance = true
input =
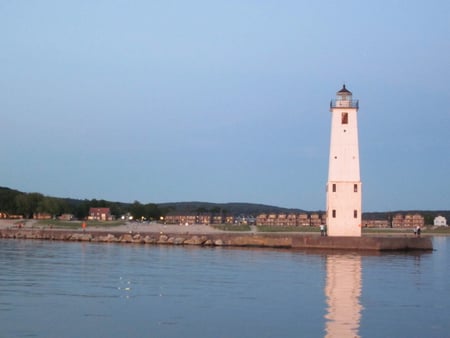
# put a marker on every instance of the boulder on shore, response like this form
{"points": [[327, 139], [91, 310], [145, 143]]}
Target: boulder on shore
{"points": [[163, 239], [81, 237], [195, 240], [218, 242]]}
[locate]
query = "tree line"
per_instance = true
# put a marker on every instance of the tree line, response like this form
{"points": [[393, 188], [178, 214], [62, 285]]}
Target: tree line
{"points": [[13, 202]]}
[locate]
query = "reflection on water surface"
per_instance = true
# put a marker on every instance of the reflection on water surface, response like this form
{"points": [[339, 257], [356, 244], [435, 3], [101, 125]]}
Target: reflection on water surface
{"points": [[343, 292]]}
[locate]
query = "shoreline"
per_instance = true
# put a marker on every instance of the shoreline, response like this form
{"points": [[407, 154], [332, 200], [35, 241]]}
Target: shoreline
{"points": [[134, 227]]}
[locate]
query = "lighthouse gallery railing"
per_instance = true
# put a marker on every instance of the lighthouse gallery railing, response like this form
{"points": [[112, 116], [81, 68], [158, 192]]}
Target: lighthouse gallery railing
{"points": [[344, 104]]}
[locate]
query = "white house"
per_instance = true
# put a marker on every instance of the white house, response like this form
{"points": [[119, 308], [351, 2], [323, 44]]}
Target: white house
{"points": [[440, 221]]}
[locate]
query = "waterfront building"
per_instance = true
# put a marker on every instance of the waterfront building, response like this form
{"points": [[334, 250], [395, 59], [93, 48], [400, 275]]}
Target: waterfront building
{"points": [[189, 218], [66, 217], [261, 219], [408, 221], [414, 220], [281, 220], [303, 220], [291, 220], [315, 220], [171, 219], [42, 216], [375, 223], [100, 214], [182, 218], [397, 221], [217, 219], [440, 221], [204, 218], [344, 196]]}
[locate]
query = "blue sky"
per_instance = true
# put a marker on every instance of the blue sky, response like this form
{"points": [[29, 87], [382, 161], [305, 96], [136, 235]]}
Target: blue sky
{"points": [[223, 101]]}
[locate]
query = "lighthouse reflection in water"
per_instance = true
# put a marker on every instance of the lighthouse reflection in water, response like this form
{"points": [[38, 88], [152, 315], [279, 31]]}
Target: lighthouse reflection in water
{"points": [[343, 292]]}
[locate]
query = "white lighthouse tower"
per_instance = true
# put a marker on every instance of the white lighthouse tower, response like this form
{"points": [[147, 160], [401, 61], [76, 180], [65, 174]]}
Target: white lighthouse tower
{"points": [[344, 182]]}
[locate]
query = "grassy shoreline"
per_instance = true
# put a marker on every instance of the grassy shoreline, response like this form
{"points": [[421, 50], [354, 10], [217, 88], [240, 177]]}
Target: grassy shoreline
{"points": [[72, 225]]}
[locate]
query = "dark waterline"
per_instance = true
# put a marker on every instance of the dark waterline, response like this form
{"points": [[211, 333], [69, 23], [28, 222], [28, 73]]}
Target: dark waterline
{"points": [[59, 289]]}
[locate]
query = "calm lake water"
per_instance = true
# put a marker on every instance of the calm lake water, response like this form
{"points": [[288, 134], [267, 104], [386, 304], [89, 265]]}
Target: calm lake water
{"points": [[60, 289]]}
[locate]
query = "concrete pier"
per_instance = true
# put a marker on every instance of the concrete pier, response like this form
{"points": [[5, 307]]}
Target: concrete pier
{"points": [[232, 239]]}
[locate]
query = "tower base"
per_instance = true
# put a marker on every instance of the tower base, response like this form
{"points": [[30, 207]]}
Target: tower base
{"points": [[374, 243]]}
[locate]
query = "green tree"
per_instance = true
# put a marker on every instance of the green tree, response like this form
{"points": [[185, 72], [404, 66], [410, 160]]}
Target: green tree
{"points": [[137, 210], [152, 211], [117, 209], [8, 200], [98, 203], [52, 206], [81, 211], [27, 204], [148, 211], [429, 219]]}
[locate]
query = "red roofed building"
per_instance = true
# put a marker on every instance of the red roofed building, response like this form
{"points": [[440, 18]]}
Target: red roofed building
{"points": [[100, 214]]}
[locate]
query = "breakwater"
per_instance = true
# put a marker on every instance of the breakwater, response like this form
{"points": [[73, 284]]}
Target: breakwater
{"points": [[270, 240]]}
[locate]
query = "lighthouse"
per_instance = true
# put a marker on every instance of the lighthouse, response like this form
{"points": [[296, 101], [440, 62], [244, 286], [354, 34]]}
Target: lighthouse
{"points": [[344, 194]]}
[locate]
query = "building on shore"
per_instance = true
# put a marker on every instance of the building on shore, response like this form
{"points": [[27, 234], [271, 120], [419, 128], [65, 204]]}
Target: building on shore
{"points": [[100, 214], [314, 219], [264, 219], [440, 221], [189, 218], [408, 221], [42, 216], [66, 217], [375, 223], [290, 220]]}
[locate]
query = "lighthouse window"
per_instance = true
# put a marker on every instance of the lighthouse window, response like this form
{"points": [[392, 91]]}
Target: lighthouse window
{"points": [[355, 187], [344, 118], [334, 187], [334, 213], [355, 213]]}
